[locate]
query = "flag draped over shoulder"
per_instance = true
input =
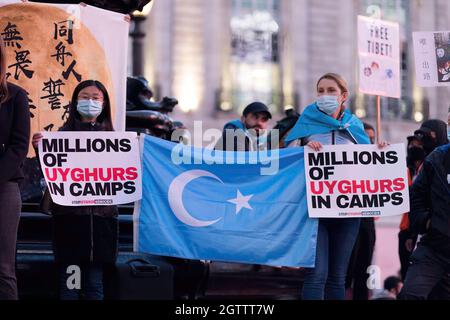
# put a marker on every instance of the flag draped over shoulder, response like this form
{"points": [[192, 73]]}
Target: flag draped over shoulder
{"points": [[314, 121], [201, 209]]}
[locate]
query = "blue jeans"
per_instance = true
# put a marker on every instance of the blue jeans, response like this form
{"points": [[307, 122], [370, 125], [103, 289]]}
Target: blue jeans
{"points": [[91, 283], [335, 241]]}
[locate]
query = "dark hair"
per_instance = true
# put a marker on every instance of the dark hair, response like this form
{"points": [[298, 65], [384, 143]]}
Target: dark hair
{"points": [[368, 126], [104, 118], [391, 282], [3, 85]]}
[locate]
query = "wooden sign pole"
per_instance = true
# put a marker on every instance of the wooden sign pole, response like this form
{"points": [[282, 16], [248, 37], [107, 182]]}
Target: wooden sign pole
{"points": [[378, 118]]}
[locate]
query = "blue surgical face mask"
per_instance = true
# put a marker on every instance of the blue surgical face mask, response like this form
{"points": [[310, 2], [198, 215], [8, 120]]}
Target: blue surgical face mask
{"points": [[327, 104], [89, 109]]}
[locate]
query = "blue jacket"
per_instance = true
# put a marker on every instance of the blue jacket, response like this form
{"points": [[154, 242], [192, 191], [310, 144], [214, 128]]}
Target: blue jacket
{"points": [[234, 124]]}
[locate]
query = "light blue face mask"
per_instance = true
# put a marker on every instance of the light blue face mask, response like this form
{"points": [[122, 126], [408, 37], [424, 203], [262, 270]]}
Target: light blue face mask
{"points": [[327, 104], [89, 109]]}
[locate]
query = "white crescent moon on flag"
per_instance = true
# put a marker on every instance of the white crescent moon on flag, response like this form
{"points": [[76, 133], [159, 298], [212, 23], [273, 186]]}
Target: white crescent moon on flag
{"points": [[175, 197]]}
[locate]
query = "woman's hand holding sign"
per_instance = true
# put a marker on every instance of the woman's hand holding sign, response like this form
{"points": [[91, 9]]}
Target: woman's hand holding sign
{"points": [[37, 137], [383, 144], [315, 145]]}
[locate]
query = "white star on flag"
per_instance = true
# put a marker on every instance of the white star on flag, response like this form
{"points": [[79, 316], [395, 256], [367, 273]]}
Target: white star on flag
{"points": [[241, 201]]}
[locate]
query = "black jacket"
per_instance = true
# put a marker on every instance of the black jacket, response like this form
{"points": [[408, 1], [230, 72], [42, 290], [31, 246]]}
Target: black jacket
{"points": [[14, 134], [102, 211], [430, 199], [87, 233]]}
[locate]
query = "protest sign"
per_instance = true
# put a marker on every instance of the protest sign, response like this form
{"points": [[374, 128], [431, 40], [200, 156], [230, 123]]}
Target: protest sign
{"points": [[51, 48], [347, 181], [379, 57], [432, 58], [87, 168]]}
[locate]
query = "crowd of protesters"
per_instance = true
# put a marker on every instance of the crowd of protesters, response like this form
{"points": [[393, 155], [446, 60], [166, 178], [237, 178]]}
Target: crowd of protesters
{"points": [[88, 236]]}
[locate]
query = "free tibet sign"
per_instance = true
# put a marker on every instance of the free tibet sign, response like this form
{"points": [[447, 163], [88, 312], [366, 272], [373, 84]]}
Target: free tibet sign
{"points": [[347, 181], [379, 57]]}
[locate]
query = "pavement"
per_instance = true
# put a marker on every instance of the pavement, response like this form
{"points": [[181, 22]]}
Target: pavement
{"points": [[228, 280], [386, 246]]}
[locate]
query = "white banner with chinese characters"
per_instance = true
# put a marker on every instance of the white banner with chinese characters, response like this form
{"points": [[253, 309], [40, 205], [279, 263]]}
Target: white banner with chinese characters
{"points": [[50, 48], [348, 181], [91, 168], [432, 57], [379, 57]]}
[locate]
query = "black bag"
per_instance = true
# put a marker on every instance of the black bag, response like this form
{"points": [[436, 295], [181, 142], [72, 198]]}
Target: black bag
{"points": [[37, 274], [140, 276], [45, 205], [191, 277]]}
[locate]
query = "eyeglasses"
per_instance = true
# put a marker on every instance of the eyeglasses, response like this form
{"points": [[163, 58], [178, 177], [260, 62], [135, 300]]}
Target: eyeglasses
{"points": [[95, 98]]}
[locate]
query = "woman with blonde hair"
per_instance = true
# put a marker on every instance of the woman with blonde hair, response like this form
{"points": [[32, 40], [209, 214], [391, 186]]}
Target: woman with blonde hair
{"points": [[14, 140], [326, 122]]}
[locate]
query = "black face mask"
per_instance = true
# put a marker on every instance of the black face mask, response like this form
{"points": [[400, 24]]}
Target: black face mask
{"points": [[429, 144], [415, 154]]}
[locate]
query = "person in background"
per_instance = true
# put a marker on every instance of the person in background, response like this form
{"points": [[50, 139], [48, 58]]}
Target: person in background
{"points": [[406, 239], [14, 142], [428, 276], [246, 132], [362, 253], [370, 131], [431, 134], [392, 287], [328, 122], [85, 236]]}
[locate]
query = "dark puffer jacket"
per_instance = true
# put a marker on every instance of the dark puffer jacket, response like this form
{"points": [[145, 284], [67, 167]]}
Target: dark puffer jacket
{"points": [[430, 200], [88, 233]]}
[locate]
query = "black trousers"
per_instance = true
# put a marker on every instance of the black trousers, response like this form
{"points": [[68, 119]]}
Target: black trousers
{"points": [[10, 207], [403, 253], [428, 276], [361, 259]]}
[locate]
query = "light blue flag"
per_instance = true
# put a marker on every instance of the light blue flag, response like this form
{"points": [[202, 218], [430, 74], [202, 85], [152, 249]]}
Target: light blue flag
{"points": [[224, 212]]}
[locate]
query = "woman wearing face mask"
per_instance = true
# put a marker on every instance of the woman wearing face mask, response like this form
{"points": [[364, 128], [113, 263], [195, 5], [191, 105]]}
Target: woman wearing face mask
{"points": [[324, 122], [85, 236]]}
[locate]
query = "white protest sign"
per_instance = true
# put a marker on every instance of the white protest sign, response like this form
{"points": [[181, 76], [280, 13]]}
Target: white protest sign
{"points": [[379, 57], [91, 168], [432, 58], [347, 181]]}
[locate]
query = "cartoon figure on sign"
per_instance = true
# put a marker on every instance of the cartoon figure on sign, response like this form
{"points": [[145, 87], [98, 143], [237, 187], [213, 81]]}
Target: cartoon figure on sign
{"points": [[442, 47], [389, 73], [444, 72], [373, 69], [440, 52], [375, 66]]}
